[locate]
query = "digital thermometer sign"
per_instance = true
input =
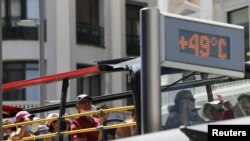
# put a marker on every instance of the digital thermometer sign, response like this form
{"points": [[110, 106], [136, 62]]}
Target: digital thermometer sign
{"points": [[200, 45], [204, 45]]}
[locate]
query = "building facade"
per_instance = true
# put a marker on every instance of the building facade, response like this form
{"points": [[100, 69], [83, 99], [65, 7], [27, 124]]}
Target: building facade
{"points": [[80, 32]]}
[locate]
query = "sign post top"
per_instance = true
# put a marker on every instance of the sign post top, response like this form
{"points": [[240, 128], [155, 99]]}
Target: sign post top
{"points": [[201, 45]]}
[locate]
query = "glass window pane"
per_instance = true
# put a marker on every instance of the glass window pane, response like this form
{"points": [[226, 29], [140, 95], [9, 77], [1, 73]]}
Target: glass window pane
{"points": [[83, 11], [32, 9], [32, 93], [32, 66], [3, 8], [16, 71], [13, 66], [90, 85], [15, 8], [240, 17]]}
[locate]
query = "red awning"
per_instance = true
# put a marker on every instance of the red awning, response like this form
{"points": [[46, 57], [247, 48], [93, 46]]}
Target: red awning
{"points": [[10, 110]]}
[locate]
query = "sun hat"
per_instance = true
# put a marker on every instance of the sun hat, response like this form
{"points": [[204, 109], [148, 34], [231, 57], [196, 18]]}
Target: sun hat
{"points": [[22, 115], [51, 115]]}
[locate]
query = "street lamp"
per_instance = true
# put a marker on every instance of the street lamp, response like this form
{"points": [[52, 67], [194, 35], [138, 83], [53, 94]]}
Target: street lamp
{"points": [[40, 24]]}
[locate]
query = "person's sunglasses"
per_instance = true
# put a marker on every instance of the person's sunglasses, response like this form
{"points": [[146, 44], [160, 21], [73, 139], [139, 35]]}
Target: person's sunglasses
{"points": [[189, 98]]}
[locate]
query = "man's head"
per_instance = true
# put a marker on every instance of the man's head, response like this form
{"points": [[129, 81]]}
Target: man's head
{"points": [[83, 103]]}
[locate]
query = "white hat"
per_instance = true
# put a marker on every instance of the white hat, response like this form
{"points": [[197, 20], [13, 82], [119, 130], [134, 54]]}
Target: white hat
{"points": [[51, 115]]}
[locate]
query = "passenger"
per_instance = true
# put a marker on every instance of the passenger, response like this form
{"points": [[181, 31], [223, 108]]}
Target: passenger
{"points": [[42, 129], [218, 110], [242, 107], [105, 115], [108, 134], [183, 112], [53, 127], [24, 130], [129, 130], [6, 131], [84, 104]]}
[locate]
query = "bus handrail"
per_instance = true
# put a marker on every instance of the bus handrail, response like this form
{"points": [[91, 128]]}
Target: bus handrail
{"points": [[51, 78], [82, 130], [71, 116]]}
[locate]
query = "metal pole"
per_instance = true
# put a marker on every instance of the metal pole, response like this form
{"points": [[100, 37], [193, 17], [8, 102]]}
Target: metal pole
{"points": [[150, 73], [1, 72], [209, 90], [65, 86], [41, 51]]}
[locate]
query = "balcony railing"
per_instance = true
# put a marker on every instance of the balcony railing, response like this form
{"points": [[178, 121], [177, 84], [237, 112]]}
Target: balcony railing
{"points": [[13, 32], [22, 104], [89, 34], [133, 45], [24, 33]]}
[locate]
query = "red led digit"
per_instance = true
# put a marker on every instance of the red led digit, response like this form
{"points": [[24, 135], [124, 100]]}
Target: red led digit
{"points": [[194, 43], [221, 44], [205, 46]]}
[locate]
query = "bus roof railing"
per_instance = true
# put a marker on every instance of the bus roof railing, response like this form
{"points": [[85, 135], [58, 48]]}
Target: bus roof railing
{"points": [[51, 78]]}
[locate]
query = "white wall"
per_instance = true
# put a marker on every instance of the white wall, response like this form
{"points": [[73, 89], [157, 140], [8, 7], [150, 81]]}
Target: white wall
{"points": [[24, 50]]}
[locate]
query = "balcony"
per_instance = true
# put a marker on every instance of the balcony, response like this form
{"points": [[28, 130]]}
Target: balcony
{"points": [[22, 104], [133, 45], [23, 33], [89, 34], [13, 32]]}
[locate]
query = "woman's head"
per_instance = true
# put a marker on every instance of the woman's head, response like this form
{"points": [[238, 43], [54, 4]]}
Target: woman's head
{"points": [[52, 124]]}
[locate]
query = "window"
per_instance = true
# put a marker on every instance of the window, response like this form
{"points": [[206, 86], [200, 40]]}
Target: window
{"points": [[16, 71], [241, 17], [90, 85], [87, 20], [132, 29], [87, 11], [16, 10]]}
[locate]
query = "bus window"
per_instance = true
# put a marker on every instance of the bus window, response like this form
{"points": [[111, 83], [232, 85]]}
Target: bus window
{"points": [[230, 98]]}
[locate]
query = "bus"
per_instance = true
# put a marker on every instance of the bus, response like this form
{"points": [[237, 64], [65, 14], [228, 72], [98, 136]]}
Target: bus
{"points": [[172, 81]]}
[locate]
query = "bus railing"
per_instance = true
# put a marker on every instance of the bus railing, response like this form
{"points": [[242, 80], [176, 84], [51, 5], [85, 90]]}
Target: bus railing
{"points": [[99, 128]]}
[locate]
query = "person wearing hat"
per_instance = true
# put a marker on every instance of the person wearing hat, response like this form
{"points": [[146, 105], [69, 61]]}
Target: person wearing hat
{"points": [[217, 110], [183, 112], [23, 130], [6, 131], [53, 126], [84, 104]]}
